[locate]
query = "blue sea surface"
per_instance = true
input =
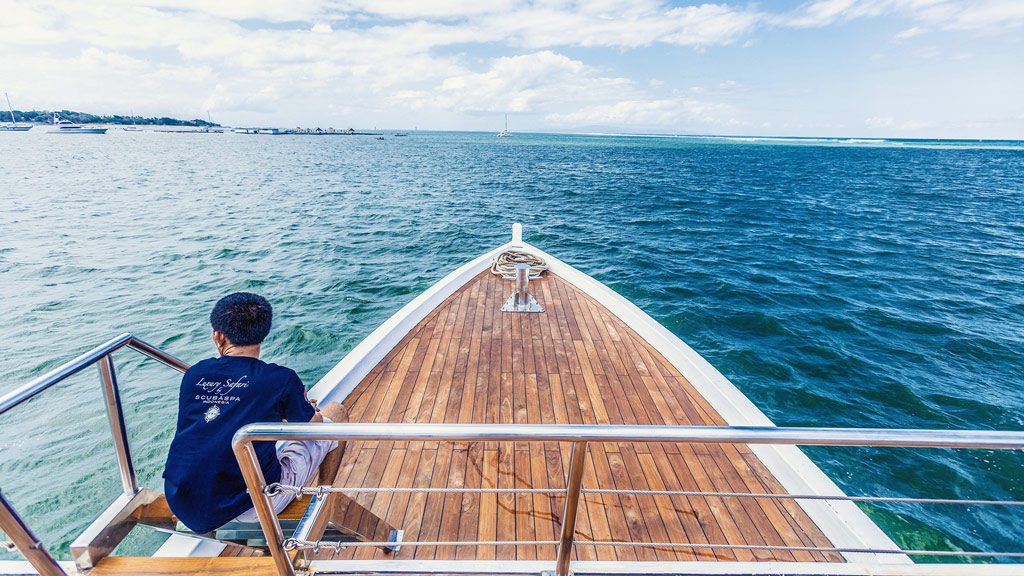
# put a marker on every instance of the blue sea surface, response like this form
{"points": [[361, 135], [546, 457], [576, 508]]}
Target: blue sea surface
{"points": [[836, 282]]}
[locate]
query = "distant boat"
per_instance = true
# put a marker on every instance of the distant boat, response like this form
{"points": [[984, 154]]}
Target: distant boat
{"points": [[62, 126], [13, 126], [211, 129], [133, 127], [505, 133]]}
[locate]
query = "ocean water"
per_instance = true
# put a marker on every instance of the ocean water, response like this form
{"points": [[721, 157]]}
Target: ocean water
{"points": [[860, 283]]}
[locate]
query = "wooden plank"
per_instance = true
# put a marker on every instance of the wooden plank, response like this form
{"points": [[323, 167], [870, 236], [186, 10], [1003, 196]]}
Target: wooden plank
{"points": [[414, 520], [636, 522], [545, 525], [420, 385], [487, 522], [525, 513], [211, 566], [506, 518], [469, 512], [381, 504], [398, 510], [452, 507], [430, 527]]}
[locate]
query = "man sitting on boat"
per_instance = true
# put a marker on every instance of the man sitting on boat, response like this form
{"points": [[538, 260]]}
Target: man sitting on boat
{"points": [[202, 480]]}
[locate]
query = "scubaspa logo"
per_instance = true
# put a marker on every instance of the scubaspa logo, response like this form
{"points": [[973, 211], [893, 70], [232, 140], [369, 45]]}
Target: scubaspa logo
{"points": [[211, 413]]}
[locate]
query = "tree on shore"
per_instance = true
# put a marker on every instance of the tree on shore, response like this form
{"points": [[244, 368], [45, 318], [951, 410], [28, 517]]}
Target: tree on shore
{"points": [[46, 117]]}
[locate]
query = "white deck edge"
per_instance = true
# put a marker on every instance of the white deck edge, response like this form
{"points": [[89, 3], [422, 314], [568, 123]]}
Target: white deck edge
{"points": [[606, 567], [843, 523]]}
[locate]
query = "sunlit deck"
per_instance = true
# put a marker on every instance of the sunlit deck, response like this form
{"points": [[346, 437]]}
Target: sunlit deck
{"points": [[576, 362]]}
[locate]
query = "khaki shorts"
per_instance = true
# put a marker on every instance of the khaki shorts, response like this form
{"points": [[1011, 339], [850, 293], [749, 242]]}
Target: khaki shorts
{"points": [[299, 463]]}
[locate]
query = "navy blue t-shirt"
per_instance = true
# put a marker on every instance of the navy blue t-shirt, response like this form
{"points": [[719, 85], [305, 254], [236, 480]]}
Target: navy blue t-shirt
{"points": [[202, 481]]}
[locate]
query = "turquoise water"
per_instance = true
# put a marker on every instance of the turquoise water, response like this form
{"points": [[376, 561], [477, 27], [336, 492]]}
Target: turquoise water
{"points": [[836, 283]]}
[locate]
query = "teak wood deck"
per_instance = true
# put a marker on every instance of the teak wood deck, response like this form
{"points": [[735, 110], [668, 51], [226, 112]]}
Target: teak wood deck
{"points": [[574, 363]]}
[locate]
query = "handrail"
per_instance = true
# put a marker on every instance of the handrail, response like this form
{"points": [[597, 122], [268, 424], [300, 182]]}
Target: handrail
{"points": [[990, 439], [579, 436], [27, 543], [26, 391]]}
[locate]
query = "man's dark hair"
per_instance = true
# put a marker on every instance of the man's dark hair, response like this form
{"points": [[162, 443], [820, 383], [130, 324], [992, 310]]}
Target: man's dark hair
{"points": [[244, 318]]}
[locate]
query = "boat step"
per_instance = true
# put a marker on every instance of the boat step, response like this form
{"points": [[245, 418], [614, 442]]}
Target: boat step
{"points": [[145, 566]]}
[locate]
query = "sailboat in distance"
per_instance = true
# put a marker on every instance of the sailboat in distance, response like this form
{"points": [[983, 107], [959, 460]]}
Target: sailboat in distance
{"points": [[13, 126], [134, 127], [210, 128], [505, 133]]}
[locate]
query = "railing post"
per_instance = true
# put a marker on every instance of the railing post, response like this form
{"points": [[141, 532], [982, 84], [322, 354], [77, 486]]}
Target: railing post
{"points": [[115, 416], [254, 480], [30, 547], [573, 487]]}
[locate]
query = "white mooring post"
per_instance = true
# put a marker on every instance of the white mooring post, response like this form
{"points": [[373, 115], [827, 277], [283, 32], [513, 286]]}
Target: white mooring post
{"points": [[517, 233]]}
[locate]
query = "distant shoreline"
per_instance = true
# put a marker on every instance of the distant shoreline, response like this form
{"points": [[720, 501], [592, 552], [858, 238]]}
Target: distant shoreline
{"points": [[46, 117]]}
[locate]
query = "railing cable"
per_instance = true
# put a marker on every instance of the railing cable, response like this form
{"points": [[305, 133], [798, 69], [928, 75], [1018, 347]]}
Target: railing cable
{"points": [[277, 488], [337, 545]]}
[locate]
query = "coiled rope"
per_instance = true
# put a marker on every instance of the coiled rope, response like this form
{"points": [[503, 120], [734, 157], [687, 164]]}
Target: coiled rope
{"points": [[505, 264]]}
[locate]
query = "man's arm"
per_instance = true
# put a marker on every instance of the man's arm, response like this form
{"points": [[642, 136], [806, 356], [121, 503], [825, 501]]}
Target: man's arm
{"points": [[295, 407]]}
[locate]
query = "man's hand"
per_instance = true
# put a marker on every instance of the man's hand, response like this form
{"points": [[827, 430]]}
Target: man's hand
{"points": [[317, 416]]}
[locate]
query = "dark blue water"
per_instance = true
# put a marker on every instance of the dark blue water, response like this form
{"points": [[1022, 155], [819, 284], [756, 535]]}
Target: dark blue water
{"points": [[835, 283]]}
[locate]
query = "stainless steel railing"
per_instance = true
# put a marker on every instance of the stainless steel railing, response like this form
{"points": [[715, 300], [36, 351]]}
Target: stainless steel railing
{"points": [[11, 523], [579, 436]]}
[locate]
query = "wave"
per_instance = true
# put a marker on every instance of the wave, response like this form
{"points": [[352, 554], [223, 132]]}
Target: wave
{"points": [[937, 144]]}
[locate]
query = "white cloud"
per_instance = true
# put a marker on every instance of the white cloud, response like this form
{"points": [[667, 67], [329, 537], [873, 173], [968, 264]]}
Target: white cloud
{"points": [[290, 11], [880, 122], [564, 92], [419, 9], [641, 113], [909, 33], [979, 15], [527, 83], [890, 123], [550, 23], [622, 24], [822, 12]]}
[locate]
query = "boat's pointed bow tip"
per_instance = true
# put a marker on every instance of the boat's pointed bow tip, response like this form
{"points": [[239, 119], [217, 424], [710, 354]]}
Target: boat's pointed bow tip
{"points": [[517, 233]]}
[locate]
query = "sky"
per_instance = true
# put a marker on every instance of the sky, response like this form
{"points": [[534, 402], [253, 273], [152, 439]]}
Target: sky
{"points": [[858, 68]]}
